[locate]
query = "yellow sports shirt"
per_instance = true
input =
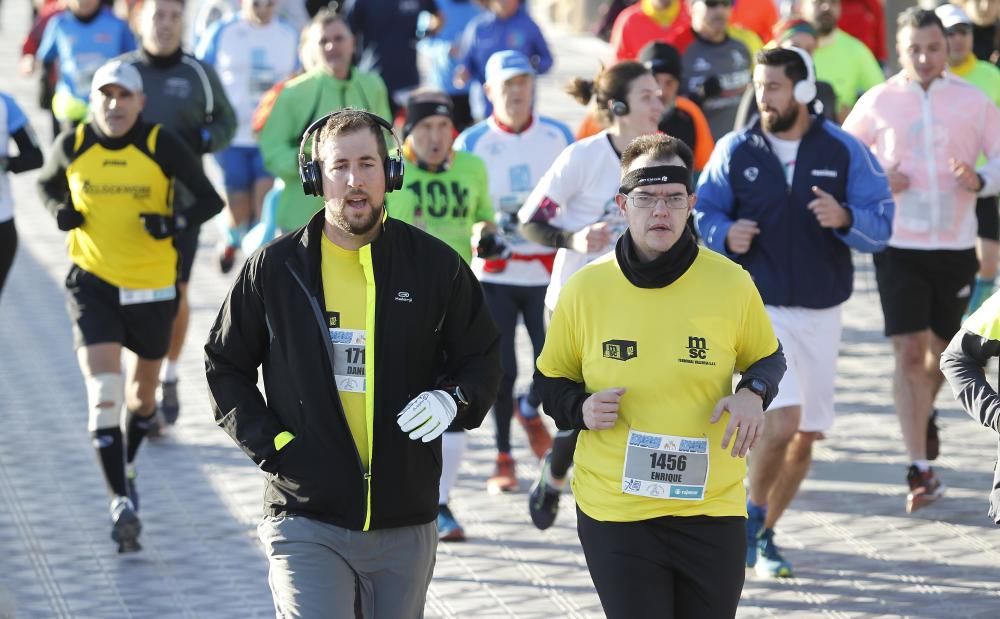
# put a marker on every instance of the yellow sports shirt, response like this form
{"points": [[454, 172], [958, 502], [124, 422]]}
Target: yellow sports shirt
{"points": [[674, 349], [344, 295], [111, 188]]}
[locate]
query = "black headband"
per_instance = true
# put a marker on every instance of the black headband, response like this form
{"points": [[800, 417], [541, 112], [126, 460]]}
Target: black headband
{"points": [[419, 110], [656, 175]]}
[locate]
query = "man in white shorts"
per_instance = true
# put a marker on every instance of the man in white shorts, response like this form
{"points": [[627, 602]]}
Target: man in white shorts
{"points": [[788, 198]]}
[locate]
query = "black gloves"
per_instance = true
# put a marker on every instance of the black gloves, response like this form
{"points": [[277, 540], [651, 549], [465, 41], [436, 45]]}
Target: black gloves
{"points": [[68, 218], [708, 89], [163, 226], [492, 246]]}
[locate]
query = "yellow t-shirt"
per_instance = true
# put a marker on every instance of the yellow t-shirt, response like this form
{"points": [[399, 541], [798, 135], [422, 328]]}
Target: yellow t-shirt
{"points": [[111, 188], [344, 293], [674, 350]]}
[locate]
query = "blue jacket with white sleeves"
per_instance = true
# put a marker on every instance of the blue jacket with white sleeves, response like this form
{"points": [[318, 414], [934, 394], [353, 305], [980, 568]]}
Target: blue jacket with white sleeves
{"points": [[793, 260]]}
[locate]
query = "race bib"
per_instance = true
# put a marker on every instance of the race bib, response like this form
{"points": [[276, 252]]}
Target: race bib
{"points": [[665, 467], [349, 359], [134, 296]]}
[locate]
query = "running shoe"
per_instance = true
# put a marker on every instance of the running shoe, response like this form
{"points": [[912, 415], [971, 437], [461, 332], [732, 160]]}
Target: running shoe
{"points": [[169, 405], [539, 438], [504, 478], [543, 504], [770, 563], [133, 491], [925, 488], [933, 440], [227, 258], [755, 522], [448, 528], [125, 525]]}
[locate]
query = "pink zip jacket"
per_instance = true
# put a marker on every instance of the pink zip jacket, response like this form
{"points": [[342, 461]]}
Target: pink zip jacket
{"points": [[921, 131]]}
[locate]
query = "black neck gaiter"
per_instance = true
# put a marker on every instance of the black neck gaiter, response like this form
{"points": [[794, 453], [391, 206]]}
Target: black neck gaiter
{"points": [[662, 271]]}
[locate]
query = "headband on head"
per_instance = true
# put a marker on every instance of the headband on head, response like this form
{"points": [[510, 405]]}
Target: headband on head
{"points": [[419, 110], [655, 175]]}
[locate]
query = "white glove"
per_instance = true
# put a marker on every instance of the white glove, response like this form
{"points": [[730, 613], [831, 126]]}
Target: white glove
{"points": [[428, 415]]}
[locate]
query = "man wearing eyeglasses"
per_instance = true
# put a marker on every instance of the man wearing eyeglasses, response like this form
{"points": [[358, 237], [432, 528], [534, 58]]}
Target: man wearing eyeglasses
{"points": [[640, 356], [788, 198]]}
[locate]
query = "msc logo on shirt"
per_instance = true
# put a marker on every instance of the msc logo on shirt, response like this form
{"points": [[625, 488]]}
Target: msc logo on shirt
{"points": [[697, 351], [622, 350]]}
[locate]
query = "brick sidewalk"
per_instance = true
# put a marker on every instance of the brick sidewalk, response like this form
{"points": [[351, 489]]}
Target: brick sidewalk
{"points": [[855, 551]]}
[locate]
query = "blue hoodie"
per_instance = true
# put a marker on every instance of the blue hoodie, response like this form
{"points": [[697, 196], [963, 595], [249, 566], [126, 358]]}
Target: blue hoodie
{"points": [[794, 261], [488, 34]]}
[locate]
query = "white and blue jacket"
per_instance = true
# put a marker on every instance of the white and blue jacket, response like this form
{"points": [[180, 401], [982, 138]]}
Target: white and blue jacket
{"points": [[794, 261]]}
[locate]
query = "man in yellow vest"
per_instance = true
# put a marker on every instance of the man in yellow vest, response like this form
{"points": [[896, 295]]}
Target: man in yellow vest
{"points": [[109, 182]]}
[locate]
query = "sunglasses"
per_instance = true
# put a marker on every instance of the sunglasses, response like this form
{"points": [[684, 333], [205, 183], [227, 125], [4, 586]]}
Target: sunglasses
{"points": [[717, 3]]}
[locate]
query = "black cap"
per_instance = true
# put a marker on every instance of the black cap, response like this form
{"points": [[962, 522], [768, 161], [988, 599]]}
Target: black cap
{"points": [[661, 57]]}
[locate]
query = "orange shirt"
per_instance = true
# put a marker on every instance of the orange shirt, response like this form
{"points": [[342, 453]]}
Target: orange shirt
{"points": [[756, 15], [703, 141]]}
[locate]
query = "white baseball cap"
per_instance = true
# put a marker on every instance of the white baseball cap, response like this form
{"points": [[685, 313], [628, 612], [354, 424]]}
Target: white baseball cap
{"points": [[951, 15], [117, 72]]}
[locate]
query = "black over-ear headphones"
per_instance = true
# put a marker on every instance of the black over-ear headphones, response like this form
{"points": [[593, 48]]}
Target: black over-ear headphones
{"points": [[618, 108], [311, 173]]}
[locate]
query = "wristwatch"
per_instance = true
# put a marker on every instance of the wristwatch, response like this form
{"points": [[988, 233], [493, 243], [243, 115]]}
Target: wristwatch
{"points": [[755, 385], [459, 396]]}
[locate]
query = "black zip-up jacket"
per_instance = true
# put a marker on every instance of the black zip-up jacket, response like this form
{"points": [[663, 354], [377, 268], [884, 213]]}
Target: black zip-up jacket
{"points": [[432, 329]]}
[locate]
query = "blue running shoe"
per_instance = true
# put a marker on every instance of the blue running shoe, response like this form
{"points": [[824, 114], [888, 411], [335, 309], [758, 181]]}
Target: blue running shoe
{"points": [[755, 522], [771, 564], [448, 528]]}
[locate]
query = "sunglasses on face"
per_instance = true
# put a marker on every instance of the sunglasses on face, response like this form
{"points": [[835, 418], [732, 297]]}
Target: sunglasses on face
{"points": [[717, 3]]}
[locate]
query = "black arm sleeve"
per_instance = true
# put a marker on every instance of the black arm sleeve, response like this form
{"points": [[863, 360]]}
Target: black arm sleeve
{"points": [[472, 346], [236, 347], [29, 155], [544, 234], [53, 188], [769, 370], [962, 364], [562, 399], [180, 162]]}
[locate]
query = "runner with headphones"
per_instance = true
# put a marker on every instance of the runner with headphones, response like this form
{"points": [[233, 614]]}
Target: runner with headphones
{"points": [[368, 357], [788, 198], [573, 208]]}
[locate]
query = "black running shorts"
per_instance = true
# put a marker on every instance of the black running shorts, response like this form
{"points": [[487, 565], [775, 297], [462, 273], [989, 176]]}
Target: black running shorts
{"points": [[988, 218], [923, 289], [99, 318], [674, 566]]}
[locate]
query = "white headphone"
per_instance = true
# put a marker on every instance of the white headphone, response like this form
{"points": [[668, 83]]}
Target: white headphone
{"points": [[805, 90]]}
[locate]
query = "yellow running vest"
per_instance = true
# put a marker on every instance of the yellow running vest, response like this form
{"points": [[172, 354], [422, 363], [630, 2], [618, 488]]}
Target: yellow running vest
{"points": [[110, 188]]}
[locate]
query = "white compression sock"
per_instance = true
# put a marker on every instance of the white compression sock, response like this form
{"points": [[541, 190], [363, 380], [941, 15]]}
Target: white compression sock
{"points": [[452, 448], [168, 373]]}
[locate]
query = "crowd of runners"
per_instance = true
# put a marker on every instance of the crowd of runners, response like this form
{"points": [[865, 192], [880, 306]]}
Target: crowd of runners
{"points": [[393, 207]]}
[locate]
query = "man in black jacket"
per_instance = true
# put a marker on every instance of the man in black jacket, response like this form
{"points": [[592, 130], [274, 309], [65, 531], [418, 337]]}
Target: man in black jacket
{"points": [[184, 95], [373, 337]]}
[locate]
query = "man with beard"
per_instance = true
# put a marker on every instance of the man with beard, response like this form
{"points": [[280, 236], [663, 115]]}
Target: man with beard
{"points": [[374, 338], [841, 60], [928, 129], [788, 198]]}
